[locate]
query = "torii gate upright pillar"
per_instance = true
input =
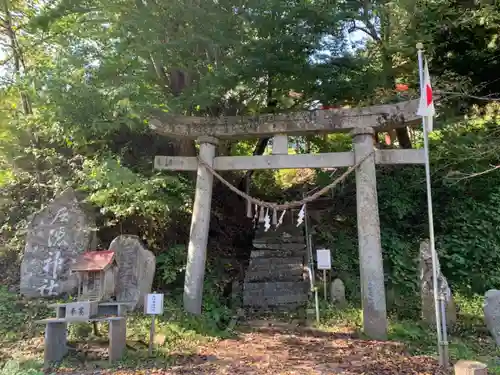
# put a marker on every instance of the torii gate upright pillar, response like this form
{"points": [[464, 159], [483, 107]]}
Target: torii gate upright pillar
{"points": [[370, 249], [200, 225]]}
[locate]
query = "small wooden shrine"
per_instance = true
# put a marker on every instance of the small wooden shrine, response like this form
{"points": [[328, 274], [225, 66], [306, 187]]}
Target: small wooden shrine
{"points": [[97, 272]]}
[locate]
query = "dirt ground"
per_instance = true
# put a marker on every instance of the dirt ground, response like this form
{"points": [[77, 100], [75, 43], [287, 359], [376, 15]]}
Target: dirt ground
{"points": [[269, 350]]}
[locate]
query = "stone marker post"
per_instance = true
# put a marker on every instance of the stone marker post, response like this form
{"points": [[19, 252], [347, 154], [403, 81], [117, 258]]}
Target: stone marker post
{"points": [[470, 368], [370, 249], [200, 223]]}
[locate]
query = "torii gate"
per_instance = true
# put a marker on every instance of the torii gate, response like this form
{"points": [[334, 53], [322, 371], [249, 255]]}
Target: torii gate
{"points": [[361, 122]]}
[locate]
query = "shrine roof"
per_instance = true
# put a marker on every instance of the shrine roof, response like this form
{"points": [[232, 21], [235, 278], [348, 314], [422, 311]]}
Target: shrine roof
{"points": [[94, 261]]}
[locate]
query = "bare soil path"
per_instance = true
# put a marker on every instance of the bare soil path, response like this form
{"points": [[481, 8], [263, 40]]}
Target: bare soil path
{"points": [[279, 351]]}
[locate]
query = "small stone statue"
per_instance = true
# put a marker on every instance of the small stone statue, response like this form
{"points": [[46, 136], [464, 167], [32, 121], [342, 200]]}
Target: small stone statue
{"points": [[337, 292], [492, 313], [427, 288]]}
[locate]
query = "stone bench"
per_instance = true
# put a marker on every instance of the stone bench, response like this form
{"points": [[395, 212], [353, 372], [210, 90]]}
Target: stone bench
{"points": [[56, 337]]}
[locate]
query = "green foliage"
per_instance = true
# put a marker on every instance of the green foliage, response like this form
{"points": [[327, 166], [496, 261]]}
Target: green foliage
{"points": [[121, 192], [17, 315], [171, 263], [14, 368], [183, 331], [80, 331], [462, 35], [213, 304], [333, 318], [466, 215]]}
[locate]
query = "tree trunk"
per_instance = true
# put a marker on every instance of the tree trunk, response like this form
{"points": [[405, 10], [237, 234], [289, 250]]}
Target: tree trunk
{"points": [[403, 138], [263, 142], [390, 81]]}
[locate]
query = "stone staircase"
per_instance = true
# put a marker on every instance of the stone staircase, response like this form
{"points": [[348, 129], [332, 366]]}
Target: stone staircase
{"points": [[275, 279]]}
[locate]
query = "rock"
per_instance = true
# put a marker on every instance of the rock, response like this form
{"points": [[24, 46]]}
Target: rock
{"points": [[492, 313], [56, 235], [427, 290], [470, 368], [337, 292], [136, 270], [429, 314]]}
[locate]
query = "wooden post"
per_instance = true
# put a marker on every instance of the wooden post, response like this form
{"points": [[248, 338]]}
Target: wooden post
{"points": [[470, 368]]}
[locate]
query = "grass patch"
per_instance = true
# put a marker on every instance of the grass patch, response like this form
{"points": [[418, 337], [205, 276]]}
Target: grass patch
{"points": [[17, 316], [180, 331], [468, 339], [178, 334], [21, 368], [335, 319]]}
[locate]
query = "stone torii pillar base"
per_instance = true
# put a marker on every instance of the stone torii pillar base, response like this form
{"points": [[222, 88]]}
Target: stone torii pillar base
{"points": [[370, 249], [200, 224]]}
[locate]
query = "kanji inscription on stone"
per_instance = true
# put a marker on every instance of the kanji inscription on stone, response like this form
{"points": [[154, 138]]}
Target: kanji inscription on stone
{"points": [[55, 237]]}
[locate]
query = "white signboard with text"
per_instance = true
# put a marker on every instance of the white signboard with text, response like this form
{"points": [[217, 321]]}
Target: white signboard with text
{"points": [[154, 304], [324, 259]]}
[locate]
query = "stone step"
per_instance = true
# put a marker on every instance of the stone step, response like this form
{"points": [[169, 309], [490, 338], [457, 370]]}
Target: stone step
{"points": [[280, 230], [290, 312], [280, 246], [274, 271], [290, 225], [268, 294], [278, 253], [292, 274], [259, 263], [279, 240]]}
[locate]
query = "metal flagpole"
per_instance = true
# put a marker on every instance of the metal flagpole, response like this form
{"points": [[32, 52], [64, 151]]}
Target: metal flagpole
{"points": [[442, 360]]}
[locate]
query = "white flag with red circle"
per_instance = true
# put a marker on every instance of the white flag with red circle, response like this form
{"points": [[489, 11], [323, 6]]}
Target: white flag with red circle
{"points": [[426, 105]]}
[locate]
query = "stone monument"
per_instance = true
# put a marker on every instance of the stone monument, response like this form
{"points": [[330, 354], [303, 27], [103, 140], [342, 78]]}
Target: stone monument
{"points": [[492, 313], [56, 235], [136, 270], [427, 288]]}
